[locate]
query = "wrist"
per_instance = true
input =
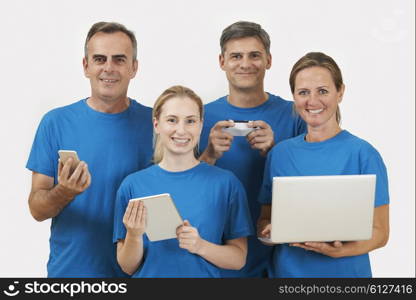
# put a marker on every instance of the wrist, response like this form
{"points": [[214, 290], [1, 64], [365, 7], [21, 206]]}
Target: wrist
{"points": [[208, 156], [63, 192], [133, 236], [201, 249]]}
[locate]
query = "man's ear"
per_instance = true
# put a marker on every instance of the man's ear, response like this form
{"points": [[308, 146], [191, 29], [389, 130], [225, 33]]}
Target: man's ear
{"points": [[135, 68], [269, 61], [85, 66], [221, 61]]}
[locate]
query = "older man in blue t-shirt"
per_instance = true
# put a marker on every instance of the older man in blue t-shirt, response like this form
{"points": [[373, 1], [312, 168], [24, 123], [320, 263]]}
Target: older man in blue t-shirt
{"points": [[112, 135]]}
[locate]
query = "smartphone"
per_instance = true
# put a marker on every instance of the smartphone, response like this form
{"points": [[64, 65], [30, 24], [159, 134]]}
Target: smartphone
{"points": [[65, 154]]}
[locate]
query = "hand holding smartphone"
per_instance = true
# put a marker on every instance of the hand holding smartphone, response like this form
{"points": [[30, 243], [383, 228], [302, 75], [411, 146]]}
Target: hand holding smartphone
{"points": [[64, 155]]}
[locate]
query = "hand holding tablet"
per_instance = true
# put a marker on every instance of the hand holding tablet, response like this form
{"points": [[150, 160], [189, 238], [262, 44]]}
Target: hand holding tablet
{"points": [[162, 217]]}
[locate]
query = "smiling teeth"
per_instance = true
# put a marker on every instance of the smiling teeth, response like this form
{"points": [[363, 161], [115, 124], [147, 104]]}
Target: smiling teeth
{"points": [[315, 111], [180, 141], [109, 80]]}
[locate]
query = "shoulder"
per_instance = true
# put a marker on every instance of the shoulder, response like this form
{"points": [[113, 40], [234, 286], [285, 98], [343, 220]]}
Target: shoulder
{"points": [[138, 175], [279, 101], [219, 174], [358, 143], [218, 103], [140, 108], [63, 111]]}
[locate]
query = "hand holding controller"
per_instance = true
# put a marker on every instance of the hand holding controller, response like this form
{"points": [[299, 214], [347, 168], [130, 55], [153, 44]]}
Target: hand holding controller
{"points": [[240, 128]]}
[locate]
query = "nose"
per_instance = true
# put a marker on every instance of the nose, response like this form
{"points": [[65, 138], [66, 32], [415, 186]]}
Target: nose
{"points": [[180, 128], [313, 97], [245, 62], [108, 66]]}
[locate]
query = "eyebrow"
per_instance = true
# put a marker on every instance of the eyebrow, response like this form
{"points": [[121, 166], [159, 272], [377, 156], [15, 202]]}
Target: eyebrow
{"points": [[113, 56], [175, 116]]}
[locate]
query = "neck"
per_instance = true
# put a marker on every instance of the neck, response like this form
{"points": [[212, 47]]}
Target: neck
{"points": [[178, 163], [247, 98], [112, 106], [321, 134]]}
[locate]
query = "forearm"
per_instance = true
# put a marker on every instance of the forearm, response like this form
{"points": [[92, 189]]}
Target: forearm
{"points": [[207, 157], [45, 204], [223, 256], [378, 240], [130, 253]]}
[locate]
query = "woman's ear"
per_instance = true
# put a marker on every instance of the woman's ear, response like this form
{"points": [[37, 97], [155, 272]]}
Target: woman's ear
{"points": [[341, 93], [155, 125]]}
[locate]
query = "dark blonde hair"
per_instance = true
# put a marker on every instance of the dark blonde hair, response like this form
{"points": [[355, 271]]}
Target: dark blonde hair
{"points": [[173, 92], [318, 59]]}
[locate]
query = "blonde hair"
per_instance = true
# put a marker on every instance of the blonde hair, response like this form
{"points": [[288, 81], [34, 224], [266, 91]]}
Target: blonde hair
{"points": [[172, 92]]}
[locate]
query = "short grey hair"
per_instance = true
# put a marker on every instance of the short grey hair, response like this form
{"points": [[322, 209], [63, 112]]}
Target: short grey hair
{"points": [[110, 27]]}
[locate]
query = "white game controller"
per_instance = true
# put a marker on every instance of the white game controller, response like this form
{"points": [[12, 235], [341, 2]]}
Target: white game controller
{"points": [[240, 128]]}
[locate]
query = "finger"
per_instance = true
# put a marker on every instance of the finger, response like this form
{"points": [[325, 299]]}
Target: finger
{"points": [[259, 140], [144, 217], [222, 142], [60, 165], [127, 213], [259, 123], [265, 232], [222, 124], [134, 211], [77, 172], [139, 215], [221, 136], [83, 177], [337, 244], [65, 169], [186, 223]]}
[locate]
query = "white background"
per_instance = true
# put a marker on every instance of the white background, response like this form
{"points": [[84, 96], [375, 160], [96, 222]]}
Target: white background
{"points": [[40, 68]]}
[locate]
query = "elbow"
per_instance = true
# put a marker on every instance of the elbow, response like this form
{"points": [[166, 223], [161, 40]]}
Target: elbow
{"points": [[37, 216], [240, 263], [126, 270], [384, 240]]}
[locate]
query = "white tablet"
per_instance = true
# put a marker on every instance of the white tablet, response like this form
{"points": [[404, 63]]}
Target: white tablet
{"points": [[322, 208], [162, 217]]}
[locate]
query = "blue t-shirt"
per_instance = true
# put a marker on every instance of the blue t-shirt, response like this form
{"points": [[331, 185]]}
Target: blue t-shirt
{"points": [[344, 154], [214, 202], [113, 146], [248, 164]]}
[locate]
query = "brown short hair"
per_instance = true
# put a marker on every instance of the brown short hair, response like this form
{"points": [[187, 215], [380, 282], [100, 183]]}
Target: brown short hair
{"points": [[242, 29]]}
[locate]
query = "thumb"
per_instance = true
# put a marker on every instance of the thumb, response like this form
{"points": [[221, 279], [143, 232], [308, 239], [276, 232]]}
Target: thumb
{"points": [[186, 223]]}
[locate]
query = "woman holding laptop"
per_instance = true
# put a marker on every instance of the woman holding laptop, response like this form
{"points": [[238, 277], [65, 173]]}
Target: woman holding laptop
{"points": [[326, 149], [211, 201]]}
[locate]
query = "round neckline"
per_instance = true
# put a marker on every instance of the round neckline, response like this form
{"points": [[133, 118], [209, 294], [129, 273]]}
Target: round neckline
{"points": [[104, 115], [249, 109], [178, 173], [339, 135]]}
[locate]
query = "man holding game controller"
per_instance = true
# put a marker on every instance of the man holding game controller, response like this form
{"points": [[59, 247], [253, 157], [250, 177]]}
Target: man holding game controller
{"points": [[110, 132], [227, 138]]}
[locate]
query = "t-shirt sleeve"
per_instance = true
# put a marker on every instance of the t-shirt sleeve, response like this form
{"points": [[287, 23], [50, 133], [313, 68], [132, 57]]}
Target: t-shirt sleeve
{"points": [[122, 199], [373, 164], [239, 222], [43, 157], [265, 194]]}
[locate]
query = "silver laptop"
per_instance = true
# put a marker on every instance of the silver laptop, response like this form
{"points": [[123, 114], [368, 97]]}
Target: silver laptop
{"points": [[322, 208]]}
